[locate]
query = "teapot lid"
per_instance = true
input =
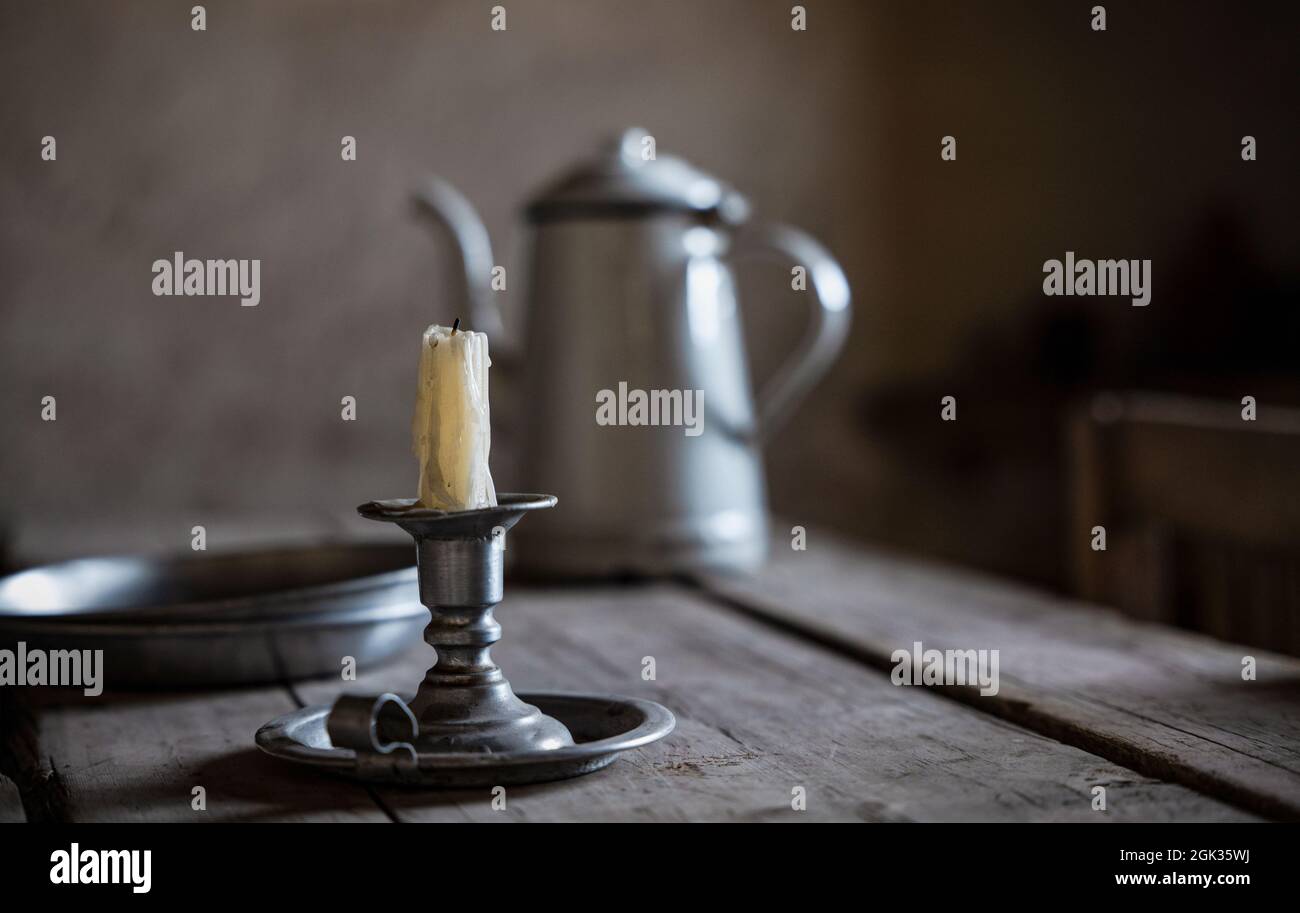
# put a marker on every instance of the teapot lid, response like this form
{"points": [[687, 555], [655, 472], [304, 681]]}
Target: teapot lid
{"points": [[627, 178]]}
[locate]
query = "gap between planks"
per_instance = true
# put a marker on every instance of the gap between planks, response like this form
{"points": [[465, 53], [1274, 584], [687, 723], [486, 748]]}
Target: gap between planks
{"points": [[30, 789], [383, 806]]}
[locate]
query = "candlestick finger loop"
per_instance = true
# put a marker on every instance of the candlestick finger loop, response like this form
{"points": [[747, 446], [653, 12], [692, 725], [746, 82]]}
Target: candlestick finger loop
{"points": [[382, 724]]}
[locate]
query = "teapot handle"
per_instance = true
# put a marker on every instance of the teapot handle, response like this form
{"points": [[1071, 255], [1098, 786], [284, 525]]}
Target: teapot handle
{"points": [[446, 206], [825, 337]]}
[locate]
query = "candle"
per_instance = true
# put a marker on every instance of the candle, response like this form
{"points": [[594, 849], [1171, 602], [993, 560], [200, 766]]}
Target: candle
{"points": [[451, 431]]}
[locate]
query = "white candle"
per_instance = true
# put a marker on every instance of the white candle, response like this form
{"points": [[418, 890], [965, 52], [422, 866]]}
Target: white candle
{"points": [[452, 432]]}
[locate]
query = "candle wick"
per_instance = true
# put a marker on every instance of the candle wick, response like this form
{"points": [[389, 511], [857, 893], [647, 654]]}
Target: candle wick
{"points": [[455, 326]]}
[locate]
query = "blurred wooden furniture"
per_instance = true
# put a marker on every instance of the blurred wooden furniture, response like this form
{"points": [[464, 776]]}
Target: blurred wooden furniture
{"points": [[1201, 510], [781, 685]]}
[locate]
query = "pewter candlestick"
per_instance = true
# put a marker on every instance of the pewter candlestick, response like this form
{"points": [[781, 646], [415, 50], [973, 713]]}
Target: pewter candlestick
{"points": [[467, 727], [465, 702]]}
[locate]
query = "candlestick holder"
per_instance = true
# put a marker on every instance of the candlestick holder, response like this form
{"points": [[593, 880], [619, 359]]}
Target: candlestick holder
{"points": [[468, 727], [465, 702]]}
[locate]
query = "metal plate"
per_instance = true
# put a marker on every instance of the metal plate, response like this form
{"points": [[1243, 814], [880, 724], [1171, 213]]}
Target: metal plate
{"points": [[603, 725], [260, 616]]}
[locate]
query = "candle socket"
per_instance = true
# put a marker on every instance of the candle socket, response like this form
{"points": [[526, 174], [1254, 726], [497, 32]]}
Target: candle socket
{"points": [[465, 704]]}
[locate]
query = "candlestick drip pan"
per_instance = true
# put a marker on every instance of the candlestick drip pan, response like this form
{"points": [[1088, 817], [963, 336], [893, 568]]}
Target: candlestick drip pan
{"points": [[602, 726]]}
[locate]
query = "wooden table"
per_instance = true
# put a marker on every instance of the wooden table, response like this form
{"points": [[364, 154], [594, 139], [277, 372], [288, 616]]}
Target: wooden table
{"points": [[778, 681]]}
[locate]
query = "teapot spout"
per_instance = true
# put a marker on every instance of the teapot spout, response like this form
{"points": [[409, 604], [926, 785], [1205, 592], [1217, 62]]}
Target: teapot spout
{"points": [[438, 200]]}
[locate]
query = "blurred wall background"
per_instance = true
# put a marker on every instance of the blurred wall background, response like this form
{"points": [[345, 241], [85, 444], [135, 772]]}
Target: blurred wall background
{"points": [[225, 143]]}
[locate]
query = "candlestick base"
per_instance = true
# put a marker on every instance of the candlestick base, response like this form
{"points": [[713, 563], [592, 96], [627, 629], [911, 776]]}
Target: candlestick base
{"points": [[603, 726]]}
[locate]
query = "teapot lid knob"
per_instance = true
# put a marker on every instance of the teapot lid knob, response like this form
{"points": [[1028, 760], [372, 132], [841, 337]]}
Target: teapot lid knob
{"points": [[630, 143]]}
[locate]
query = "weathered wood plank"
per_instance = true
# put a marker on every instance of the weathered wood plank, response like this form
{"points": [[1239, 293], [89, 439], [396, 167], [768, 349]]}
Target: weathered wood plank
{"points": [[1165, 703], [137, 757], [760, 713]]}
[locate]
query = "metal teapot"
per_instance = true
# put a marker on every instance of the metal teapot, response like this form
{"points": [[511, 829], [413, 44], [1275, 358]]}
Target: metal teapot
{"points": [[638, 411]]}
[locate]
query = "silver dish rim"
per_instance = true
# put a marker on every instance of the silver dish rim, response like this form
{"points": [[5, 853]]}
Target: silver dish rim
{"points": [[207, 627], [289, 605]]}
